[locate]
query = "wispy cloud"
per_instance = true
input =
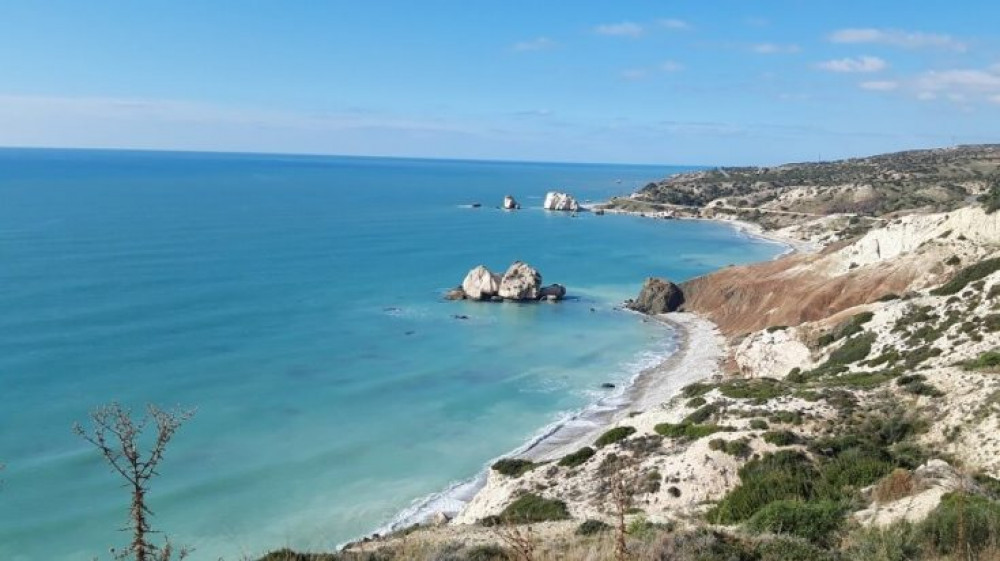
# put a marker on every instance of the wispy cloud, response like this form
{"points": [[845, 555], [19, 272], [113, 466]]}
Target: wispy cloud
{"points": [[671, 66], [623, 29], [879, 85], [674, 23], [633, 74], [536, 44], [859, 64], [775, 48], [898, 38]]}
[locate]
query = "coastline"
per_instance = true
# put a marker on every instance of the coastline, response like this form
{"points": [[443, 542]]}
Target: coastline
{"points": [[698, 351]]}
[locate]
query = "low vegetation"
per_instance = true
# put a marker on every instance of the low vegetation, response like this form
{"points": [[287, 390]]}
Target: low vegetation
{"points": [[512, 467], [616, 434]]}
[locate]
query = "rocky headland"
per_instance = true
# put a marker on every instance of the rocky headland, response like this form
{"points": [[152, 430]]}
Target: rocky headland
{"points": [[841, 402]]}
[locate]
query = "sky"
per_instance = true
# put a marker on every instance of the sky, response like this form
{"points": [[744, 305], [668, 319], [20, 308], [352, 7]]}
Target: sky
{"points": [[724, 82]]}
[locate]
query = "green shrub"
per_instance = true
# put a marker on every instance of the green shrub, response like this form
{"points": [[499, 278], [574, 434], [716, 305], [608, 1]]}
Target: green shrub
{"points": [[968, 275], [790, 548], [781, 437], [738, 448], [529, 508], [813, 521], [959, 518], [702, 414], [688, 431], [758, 424], [862, 380], [916, 357], [853, 469], [513, 467], [577, 458], [484, 552], [696, 389], [987, 361], [854, 349], [759, 389], [782, 475], [695, 402], [591, 527], [896, 542], [614, 435]]}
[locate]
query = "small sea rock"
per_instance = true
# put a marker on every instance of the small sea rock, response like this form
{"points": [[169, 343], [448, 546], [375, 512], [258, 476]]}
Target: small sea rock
{"points": [[607, 385]]}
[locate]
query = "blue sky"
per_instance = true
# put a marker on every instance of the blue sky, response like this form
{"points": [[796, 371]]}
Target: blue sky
{"points": [[723, 82]]}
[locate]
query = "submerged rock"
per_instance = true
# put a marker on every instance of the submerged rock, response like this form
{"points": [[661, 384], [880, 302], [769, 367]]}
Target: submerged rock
{"points": [[555, 200], [455, 294], [658, 296], [481, 284], [510, 203], [520, 282], [553, 291]]}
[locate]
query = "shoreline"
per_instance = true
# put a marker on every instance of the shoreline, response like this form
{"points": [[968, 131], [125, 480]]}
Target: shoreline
{"points": [[697, 354]]}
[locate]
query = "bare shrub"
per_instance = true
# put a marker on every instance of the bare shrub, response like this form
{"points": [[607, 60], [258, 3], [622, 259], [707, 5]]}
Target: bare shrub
{"points": [[118, 437]]}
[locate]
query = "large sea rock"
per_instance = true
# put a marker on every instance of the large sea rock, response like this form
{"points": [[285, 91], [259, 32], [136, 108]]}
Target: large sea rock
{"points": [[520, 282], [481, 284], [658, 296], [510, 203], [555, 200]]}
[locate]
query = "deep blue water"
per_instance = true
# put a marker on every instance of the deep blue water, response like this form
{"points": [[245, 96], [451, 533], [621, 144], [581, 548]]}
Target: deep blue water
{"points": [[295, 302]]}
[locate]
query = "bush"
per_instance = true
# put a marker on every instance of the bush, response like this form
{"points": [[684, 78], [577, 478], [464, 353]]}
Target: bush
{"points": [[962, 523], [987, 361], [790, 548], [968, 275], [577, 458], [813, 521], [853, 469], [702, 414], [614, 435], [738, 448], [513, 467], [894, 486], [591, 527], [854, 349], [695, 402], [759, 389], [897, 542], [689, 431], [530, 508], [782, 475], [758, 424], [781, 437], [696, 389]]}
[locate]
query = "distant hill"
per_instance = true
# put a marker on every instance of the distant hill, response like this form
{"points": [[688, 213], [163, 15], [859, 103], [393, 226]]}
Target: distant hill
{"points": [[932, 180]]}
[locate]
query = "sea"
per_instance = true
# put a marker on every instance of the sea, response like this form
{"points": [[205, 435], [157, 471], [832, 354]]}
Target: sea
{"points": [[295, 303]]}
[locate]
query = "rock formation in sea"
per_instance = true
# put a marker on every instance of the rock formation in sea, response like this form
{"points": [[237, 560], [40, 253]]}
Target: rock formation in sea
{"points": [[510, 203], [520, 283], [555, 200], [658, 296], [481, 284]]}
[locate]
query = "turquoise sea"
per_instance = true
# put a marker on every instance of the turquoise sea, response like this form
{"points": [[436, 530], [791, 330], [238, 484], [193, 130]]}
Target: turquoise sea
{"points": [[296, 302]]}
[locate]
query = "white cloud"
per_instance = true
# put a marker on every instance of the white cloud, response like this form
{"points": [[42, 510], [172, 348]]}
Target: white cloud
{"points": [[536, 44], [672, 23], [623, 29], [974, 80], [879, 85], [860, 64], [634, 74], [926, 96], [898, 38], [995, 99], [775, 49], [671, 66]]}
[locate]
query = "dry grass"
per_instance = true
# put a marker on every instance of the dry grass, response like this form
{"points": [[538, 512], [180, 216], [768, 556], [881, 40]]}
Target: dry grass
{"points": [[898, 484]]}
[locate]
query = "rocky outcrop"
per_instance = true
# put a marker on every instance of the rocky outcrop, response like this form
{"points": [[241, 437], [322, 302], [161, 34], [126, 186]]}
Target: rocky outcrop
{"points": [[657, 296], [552, 292], [510, 203], [481, 284], [555, 200], [520, 282]]}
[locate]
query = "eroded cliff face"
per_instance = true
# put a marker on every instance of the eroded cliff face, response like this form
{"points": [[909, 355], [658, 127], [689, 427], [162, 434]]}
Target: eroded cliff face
{"points": [[910, 253]]}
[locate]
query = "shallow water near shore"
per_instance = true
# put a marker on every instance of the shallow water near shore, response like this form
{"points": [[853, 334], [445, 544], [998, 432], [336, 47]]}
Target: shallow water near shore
{"points": [[295, 301]]}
